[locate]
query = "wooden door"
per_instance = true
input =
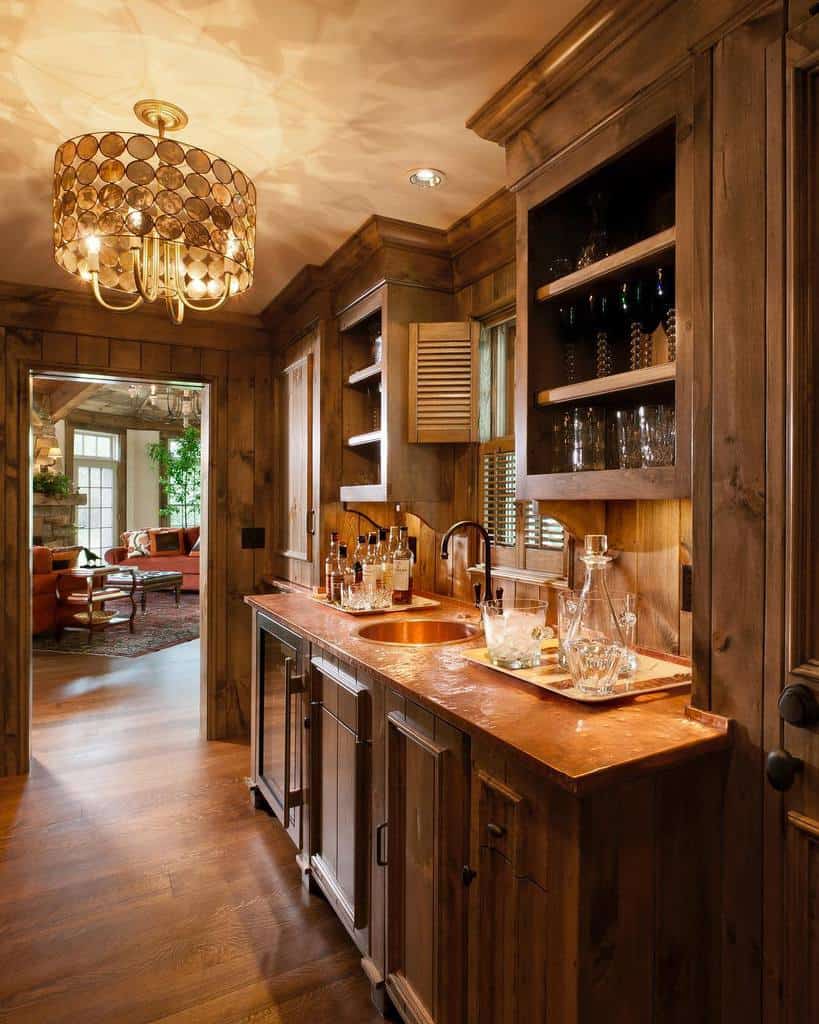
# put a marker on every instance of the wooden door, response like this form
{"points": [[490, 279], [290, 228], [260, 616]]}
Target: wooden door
{"points": [[426, 791], [296, 408], [791, 883]]}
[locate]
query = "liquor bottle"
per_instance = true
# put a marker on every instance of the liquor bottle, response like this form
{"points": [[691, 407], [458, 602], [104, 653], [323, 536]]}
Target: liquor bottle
{"points": [[402, 570], [330, 561], [371, 570], [338, 574], [387, 556], [359, 555]]}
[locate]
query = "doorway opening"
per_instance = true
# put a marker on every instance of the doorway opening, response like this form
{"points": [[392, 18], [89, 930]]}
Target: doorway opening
{"points": [[118, 535]]}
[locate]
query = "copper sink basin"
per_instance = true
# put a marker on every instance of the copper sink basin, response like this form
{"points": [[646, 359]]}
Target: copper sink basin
{"points": [[419, 631]]}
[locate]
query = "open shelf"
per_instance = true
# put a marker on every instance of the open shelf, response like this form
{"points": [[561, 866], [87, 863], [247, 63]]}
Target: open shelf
{"points": [[627, 381], [643, 250], [359, 440], [364, 375]]}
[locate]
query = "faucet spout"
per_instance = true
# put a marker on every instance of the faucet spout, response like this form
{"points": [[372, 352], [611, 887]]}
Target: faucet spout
{"points": [[487, 545]]}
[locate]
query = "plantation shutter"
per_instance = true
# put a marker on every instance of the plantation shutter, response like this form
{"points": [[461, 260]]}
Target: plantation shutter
{"points": [[498, 473], [443, 382], [541, 531]]}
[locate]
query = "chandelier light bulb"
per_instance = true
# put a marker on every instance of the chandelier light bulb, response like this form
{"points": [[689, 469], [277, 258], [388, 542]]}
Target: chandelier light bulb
{"points": [[152, 218]]}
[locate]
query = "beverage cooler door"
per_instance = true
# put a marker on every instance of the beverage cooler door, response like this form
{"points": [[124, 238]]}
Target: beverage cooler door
{"points": [[279, 715]]}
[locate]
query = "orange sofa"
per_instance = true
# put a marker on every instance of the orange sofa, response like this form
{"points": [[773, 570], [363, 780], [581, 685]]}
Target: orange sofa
{"points": [[187, 564]]}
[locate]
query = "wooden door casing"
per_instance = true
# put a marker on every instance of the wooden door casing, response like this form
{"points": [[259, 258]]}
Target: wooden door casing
{"points": [[425, 932]]}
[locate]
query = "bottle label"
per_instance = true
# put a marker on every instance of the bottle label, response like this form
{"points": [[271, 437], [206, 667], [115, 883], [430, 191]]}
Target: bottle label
{"points": [[400, 574], [371, 572]]}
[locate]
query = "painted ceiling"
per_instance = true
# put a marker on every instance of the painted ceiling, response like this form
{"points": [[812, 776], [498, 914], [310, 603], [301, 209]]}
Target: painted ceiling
{"points": [[325, 104]]}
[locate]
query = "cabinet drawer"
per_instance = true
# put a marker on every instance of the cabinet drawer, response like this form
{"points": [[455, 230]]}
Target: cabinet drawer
{"points": [[338, 692]]}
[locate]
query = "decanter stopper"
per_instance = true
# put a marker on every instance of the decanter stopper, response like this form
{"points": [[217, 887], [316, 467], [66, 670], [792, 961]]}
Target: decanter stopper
{"points": [[596, 544]]}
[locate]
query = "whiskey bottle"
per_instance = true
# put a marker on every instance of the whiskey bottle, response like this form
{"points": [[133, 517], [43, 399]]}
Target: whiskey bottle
{"points": [[330, 561], [338, 575], [402, 570], [371, 571], [359, 555]]}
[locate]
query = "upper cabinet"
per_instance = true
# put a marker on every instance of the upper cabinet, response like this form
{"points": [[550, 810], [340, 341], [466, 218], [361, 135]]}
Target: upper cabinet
{"points": [[443, 382], [380, 459], [603, 398]]}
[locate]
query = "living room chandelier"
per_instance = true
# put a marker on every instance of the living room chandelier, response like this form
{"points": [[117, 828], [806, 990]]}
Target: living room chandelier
{"points": [[183, 404], [153, 218]]}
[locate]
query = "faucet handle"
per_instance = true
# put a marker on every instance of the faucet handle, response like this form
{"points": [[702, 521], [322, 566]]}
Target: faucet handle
{"points": [[477, 589]]}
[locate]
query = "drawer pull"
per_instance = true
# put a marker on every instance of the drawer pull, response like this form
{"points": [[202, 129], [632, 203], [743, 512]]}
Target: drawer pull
{"points": [[380, 856], [496, 831]]}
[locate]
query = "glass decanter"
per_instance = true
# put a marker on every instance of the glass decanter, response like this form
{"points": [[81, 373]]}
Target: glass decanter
{"points": [[595, 619]]}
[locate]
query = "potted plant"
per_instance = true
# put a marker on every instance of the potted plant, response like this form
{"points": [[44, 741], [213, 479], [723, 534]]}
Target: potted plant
{"points": [[180, 475]]}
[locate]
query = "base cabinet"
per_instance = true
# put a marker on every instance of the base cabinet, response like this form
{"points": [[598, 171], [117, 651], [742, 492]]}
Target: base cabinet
{"points": [[339, 833], [425, 877]]}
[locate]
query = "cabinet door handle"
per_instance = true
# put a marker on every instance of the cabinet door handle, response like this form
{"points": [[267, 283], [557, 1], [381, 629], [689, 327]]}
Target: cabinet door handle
{"points": [[311, 522], [468, 874], [380, 856], [497, 831], [292, 684], [781, 769]]}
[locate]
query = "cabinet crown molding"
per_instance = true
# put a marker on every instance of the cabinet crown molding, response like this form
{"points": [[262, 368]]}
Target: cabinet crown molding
{"points": [[587, 39]]}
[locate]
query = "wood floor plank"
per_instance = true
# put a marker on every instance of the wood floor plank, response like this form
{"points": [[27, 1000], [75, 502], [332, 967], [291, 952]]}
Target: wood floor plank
{"points": [[137, 884]]}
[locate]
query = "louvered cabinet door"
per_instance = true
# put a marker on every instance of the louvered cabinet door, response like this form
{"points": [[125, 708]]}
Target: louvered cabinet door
{"points": [[443, 382]]}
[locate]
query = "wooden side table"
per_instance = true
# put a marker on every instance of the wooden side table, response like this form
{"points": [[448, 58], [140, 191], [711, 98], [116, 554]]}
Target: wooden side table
{"points": [[90, 602]]}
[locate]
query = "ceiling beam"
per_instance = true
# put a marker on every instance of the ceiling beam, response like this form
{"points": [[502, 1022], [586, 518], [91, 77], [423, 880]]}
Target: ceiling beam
{"points": [[70, 395]]}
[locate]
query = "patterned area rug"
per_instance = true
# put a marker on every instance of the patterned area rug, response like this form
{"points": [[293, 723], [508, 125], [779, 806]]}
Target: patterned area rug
{"points": [[163, 625]]}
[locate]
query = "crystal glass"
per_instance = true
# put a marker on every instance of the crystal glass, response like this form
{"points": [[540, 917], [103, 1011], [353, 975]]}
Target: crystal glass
{"points": [[594, 664], [356, 597], [585, 438], [514, 632], [379, 595], [627, 439], [658, 434]]}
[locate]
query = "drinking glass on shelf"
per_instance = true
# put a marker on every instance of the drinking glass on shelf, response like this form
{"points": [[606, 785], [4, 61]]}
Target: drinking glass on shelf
{"points": [[627, 439], [560, 266], [658, 434], [585, 438], [597, 245]]}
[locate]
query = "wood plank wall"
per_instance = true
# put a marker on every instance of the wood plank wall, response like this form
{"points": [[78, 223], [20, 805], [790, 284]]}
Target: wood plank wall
{"points": [[239, 460]]}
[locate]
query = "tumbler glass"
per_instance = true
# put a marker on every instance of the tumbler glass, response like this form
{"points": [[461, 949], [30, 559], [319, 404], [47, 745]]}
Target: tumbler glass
{"points": [[586, 438]]}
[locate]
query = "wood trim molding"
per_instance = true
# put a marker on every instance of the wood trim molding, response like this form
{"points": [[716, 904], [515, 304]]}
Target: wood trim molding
{"points": [[60, 310], [584, 43]]}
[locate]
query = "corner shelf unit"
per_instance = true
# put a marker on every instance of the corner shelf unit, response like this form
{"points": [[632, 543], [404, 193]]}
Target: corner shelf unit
{"points": [[626, 191], [362, 406]]}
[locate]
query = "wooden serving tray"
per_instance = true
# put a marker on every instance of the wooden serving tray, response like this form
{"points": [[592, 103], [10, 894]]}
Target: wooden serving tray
{"points": [[416, 604], [655, 672]]}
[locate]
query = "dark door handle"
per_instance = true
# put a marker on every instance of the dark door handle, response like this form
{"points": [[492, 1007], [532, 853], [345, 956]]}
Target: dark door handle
{"points": [[469, 875], [781, 769], [798, 705], [380, 856], [497, 831]]}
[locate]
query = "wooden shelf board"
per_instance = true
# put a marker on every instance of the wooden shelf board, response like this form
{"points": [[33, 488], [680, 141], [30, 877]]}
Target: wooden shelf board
{"points": [[359, 440], [607, 484], [363, 492], [365, 374], [96, 597], [642, 250], [606, 385]]}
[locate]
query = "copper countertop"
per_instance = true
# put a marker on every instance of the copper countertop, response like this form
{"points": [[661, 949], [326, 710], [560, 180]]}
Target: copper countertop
{"points": [[580, 746]]}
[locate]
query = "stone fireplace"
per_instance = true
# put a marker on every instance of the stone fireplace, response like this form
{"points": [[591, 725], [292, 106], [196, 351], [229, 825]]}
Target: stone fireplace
{"points": [[55, 519]]}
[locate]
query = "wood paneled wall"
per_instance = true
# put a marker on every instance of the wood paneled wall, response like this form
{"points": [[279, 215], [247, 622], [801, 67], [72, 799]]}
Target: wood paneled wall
{"points": [[236, 364]]}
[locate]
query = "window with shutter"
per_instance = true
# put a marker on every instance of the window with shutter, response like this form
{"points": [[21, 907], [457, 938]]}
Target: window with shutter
{"points": [[541, 531], [498, 480]]}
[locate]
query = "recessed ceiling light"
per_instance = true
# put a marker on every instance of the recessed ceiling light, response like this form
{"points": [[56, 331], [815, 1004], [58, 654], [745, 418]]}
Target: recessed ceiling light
{"points": [[426, 177]]}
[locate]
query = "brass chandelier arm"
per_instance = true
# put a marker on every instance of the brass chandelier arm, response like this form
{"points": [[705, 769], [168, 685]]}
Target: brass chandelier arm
{"points": [[176, 308], [95, 285], [206, 308], [146, 269]]}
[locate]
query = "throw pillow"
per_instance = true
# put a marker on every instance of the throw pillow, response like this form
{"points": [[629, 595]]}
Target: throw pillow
{"points": [[138, 543], [64, 558], [167, 541]]}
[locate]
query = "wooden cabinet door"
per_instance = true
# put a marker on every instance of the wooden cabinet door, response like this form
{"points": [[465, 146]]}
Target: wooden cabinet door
{"points": [[426, 937], [791, 840], [340, 800], [296, 477], [443, 382]]}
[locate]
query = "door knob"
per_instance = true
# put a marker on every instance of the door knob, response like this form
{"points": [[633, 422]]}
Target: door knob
{"points": [[798, 705], [781, 769]]}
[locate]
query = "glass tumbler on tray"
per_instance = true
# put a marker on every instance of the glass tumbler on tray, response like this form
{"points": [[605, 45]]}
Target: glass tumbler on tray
{"points": [[514, 632]]}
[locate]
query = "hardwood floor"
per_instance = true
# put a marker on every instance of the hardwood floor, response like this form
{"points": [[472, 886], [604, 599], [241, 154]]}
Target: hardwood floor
{"points": [[136, 883]]}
